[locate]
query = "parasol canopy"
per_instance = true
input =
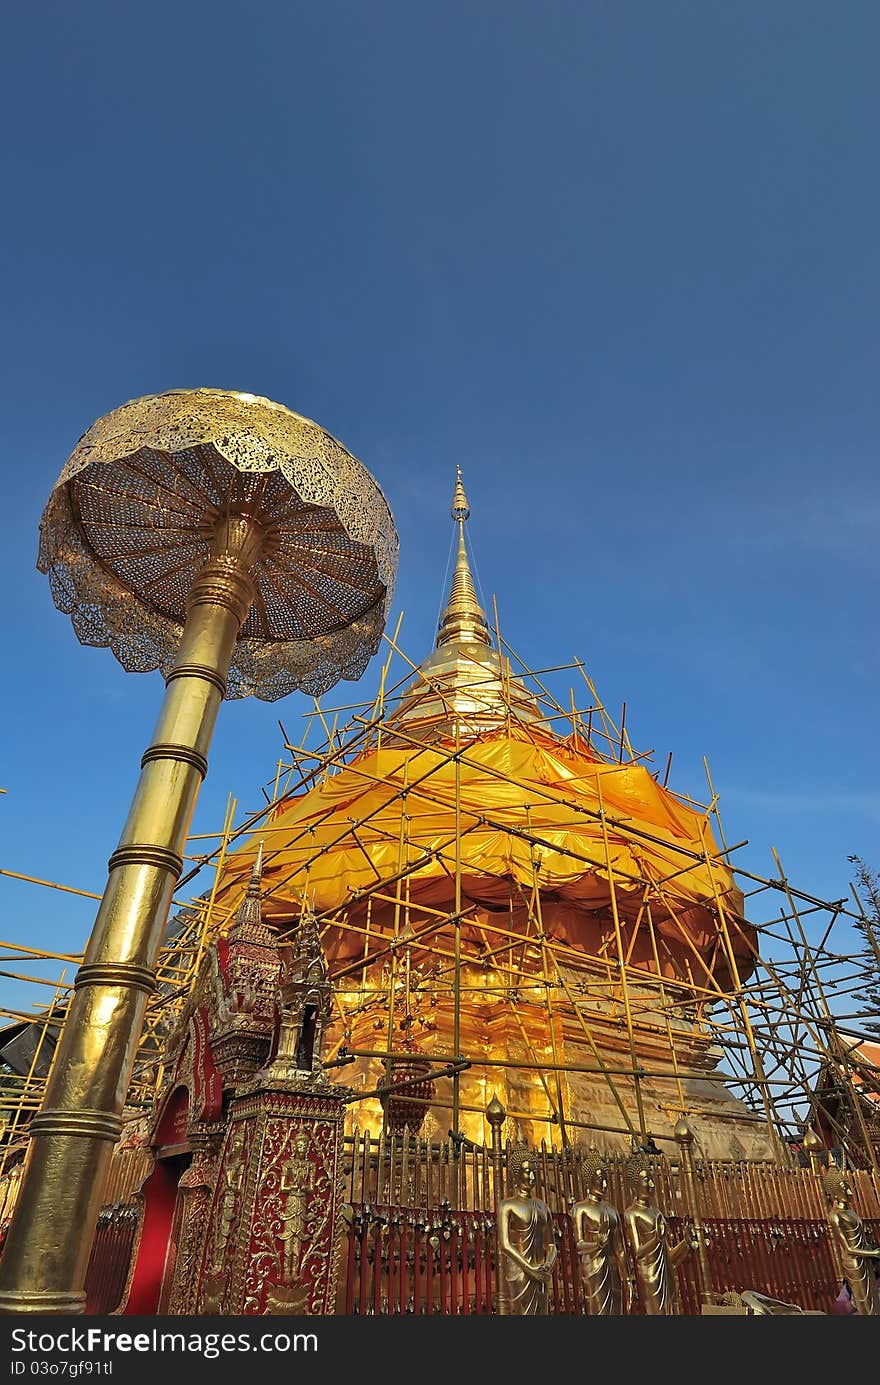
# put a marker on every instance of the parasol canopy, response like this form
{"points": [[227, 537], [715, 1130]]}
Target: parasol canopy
{"points": [[130, 522]]}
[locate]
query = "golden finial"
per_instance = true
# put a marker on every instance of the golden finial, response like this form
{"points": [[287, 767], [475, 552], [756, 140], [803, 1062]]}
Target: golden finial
{"points": [[250, 911], [463, 621], [255, 881], [495, 1112], [460, 508], [683, 1132]]}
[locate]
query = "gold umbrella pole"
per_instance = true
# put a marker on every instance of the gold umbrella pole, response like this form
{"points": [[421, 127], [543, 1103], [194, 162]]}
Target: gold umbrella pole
{"points": [[72, 1136]]}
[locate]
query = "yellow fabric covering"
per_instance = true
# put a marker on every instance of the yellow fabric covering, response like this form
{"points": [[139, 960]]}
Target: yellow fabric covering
{"points": [[512, 781]]}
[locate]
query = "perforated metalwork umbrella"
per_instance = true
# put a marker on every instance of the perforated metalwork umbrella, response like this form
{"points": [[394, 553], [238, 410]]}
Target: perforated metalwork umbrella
{"points": [[131, 519]]}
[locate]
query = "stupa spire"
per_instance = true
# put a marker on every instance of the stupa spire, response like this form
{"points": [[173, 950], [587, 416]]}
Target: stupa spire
{"points": [[463, 620]]}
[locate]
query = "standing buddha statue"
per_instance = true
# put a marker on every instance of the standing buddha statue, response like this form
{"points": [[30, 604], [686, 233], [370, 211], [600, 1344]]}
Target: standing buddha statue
{"points": [[526, 1240], [858, 1257], [601, 1254], [646, 1231]]}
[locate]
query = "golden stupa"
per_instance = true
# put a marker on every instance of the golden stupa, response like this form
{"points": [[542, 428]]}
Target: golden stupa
{"points": [[527, 912]]}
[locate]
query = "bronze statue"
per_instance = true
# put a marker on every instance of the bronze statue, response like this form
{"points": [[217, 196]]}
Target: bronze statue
{"points": [[601, 1254], [857, 1255], [655, 1259], [526, 1240]]}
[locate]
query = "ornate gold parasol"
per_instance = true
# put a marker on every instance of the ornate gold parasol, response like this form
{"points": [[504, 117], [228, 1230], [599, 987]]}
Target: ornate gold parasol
{"points": [[240, 549], [132, 517]]}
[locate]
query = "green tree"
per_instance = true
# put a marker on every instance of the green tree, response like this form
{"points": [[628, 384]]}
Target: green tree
{"points": [[867, 887]]}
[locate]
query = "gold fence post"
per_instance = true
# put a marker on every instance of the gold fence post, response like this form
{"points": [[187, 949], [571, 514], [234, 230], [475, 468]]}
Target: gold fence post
{"points": [[814, 1146], [684, 1137], [495, 1115]]}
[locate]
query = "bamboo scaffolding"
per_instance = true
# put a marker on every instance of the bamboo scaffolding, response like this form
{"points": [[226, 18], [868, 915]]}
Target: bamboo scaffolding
{"points": [[759, 1018]]}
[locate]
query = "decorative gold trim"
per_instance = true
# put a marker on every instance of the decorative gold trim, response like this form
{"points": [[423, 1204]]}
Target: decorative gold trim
{"points": [[97, 1125], [38, 1302], [209, 675], [167, 751], [116, 974], [142, 854]]}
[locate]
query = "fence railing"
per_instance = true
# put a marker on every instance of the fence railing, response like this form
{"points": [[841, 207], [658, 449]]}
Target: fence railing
{"points": [[421, 1226], [408, 1172]]}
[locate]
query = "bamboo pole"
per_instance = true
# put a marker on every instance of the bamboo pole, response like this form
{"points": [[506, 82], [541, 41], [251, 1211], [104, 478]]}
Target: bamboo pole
{"points": [[623, 978], [551, 1019], [734, 971], [833, 1045], [11, 1128]]}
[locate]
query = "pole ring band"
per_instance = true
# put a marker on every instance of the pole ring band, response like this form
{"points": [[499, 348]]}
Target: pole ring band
{"points": [[93, 1125], [167, 751], [147, 856], [210, 675], [116, 974], [236, 603], [41, 1301]]}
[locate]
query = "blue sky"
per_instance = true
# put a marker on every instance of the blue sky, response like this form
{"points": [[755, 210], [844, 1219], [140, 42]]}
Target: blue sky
{"points": [[619, 262]]}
